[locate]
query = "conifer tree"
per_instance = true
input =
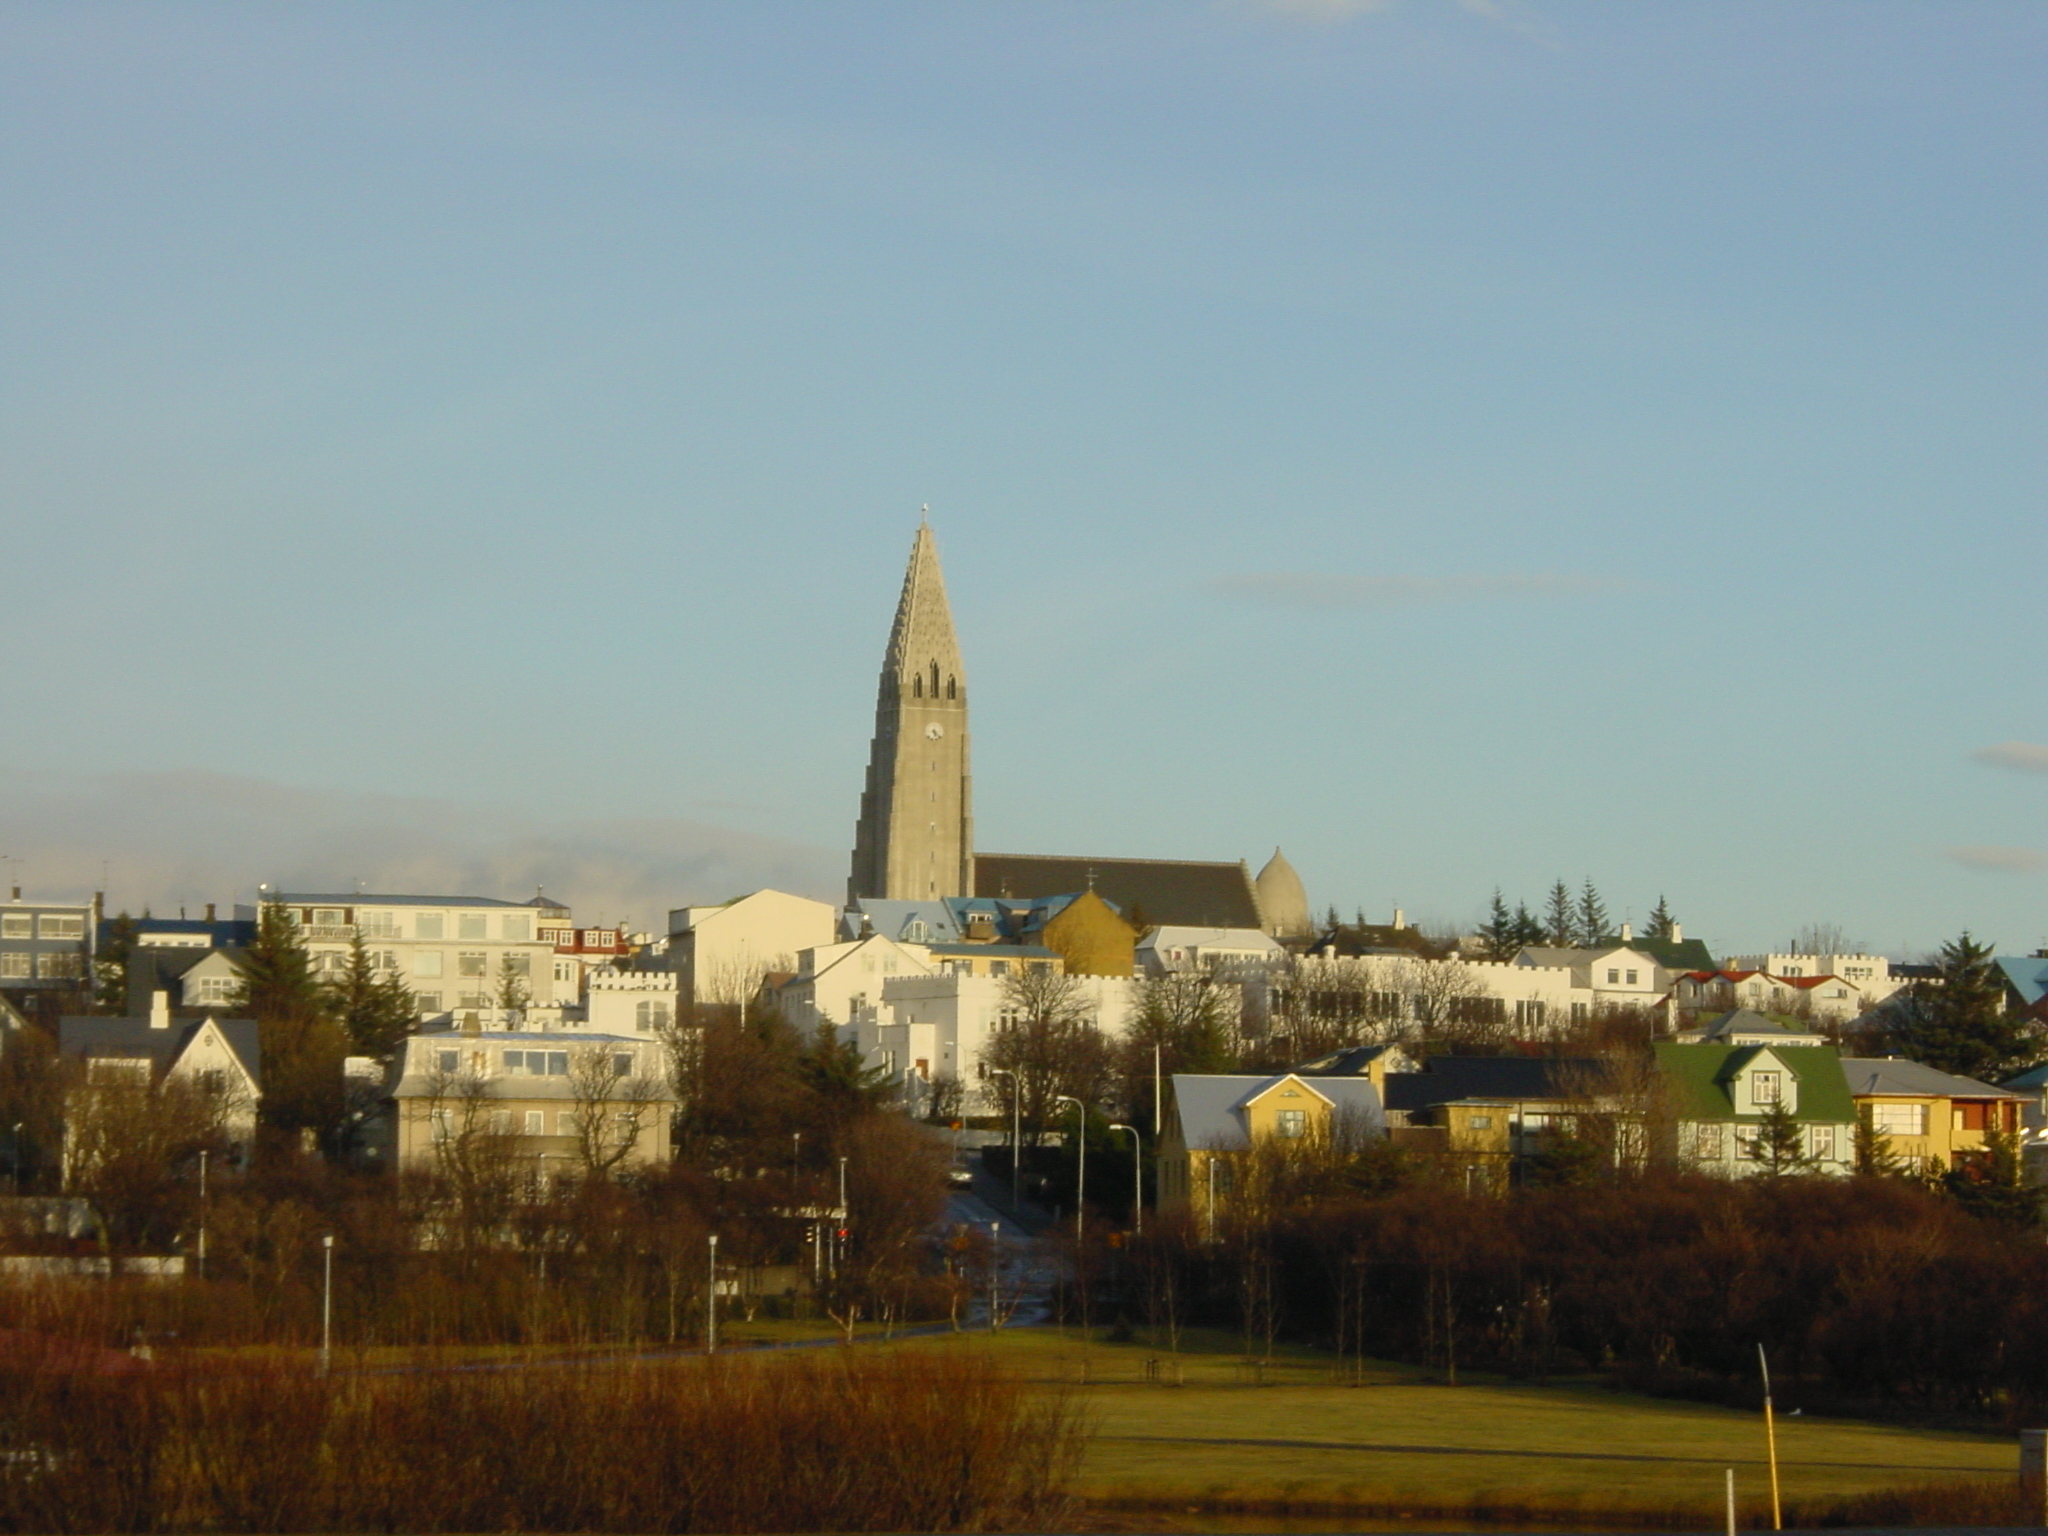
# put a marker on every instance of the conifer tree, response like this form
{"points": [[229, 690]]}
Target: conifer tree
{"points": [[1661, 920], [376, 1009], [1498, 931], [1560, 923], [301, 1042], [1874, 1153], [1781, 1142], [1528, 929], [1592, 915], [1993, 1185], [110, 966], [1958, 1021]]}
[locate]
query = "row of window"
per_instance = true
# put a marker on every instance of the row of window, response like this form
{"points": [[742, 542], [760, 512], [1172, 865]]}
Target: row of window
{"points": [[1708, 1144], [533, 1122], [430, 963], [513, 927], [525, 1063], [50, 925], [20, 965]]}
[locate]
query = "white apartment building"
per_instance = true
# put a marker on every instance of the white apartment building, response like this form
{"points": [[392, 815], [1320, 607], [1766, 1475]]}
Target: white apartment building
{"points": [[842, 983], [1209, 950], [1869, 975], [940, 1025], [454, 952], [631, 1003], [722, 954]]}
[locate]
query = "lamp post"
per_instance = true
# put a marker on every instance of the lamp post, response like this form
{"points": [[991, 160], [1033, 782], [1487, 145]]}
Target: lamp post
{"points": [[995, 1269], [841, 1226], [326, 1302], [796, 1143], [17, 1157], [1137, 1177], [1016, 1134], [711, 1303], [202, 1213], [1080, 1157]]}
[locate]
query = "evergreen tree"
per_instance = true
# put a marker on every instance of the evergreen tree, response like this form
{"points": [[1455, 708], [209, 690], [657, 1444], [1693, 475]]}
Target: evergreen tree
{"points": [[376, 1009], [110, 966], [1958, 1022], [1993, 1183], [302, 1044], [1592, 915], [1528, 929], [1661, 920], [1497, 933], [1874, 1153], [513, 992], [1781, 1143], [1559, 921]]}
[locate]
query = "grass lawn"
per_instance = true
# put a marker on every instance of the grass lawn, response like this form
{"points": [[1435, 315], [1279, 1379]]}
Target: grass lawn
{"points": [[1403, 1441]]}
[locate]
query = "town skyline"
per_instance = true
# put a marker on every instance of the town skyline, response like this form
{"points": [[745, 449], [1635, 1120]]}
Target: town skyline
{"points": [[1461, 449]]}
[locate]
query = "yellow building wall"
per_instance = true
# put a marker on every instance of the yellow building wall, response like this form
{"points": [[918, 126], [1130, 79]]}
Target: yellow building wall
{"points": [[1091, 938]]}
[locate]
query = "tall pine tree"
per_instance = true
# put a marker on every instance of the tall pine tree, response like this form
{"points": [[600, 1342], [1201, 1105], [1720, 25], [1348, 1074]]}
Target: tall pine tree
{"points": [[1497, 933], [301, 1041], [1560, 923], [1661, 920], [1958, 1021], [1592, 915], [375, 1007]]}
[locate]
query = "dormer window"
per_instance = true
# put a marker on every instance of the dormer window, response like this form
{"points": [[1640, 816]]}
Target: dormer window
{"points": [[1766, 1087]]}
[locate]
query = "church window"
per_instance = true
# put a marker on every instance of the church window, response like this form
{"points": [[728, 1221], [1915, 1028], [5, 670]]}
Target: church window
{"points": [[952, 688], [917, 686], [935, 679]]}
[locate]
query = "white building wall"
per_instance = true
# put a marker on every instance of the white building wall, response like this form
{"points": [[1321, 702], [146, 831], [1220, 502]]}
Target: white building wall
{"points": [[720, 954]]}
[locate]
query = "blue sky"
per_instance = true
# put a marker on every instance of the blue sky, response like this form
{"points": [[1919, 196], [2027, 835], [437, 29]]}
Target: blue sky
{"points": [[1462, 444]]}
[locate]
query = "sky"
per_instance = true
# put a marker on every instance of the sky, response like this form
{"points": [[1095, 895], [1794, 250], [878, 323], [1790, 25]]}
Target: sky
{"points": [[1464, 445]]}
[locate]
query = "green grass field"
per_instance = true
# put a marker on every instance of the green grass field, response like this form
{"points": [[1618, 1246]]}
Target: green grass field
{"points": [[1402, 1442]]}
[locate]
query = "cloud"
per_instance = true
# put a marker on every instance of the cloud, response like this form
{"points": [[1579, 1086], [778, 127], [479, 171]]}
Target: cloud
{"points": [[166, 840], [2020, 756], [2004, 861], [1312, 590]]}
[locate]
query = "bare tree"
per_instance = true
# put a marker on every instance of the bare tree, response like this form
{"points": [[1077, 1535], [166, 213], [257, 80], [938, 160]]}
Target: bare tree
{"points": [[1050, 1041], [1825, 939], [473, 1166], [131, 1137], [1450, 1005], [613, 1100]]}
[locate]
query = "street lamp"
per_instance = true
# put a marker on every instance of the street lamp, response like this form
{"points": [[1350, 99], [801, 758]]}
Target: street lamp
{"points": [[1016, 1134], [202, 1213], [17, 1157], [840, 1224], [995, 1269], [1137, 1177], [711, 1303], [326, 1302], [1080, 1156]]}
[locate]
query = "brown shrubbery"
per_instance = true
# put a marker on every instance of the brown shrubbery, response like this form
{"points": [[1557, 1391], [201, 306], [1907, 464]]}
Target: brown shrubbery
{"points": [[846, 1444]]}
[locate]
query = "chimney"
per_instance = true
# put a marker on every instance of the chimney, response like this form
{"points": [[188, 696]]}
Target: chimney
{"points": [[209, 912], [1628, 933], [17, 893], [159, 1010], [1400, 918], [1678, 933]]}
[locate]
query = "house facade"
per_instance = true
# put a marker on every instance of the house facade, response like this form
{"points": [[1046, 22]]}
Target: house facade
{"points": [[1720, 1097], [121, 1061], [1215, 1122], [1926, 1116]]}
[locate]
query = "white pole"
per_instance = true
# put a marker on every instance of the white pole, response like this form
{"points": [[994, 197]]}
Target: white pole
{"points": [[1137, 1178], [711, 1303], [202, 1208], [1731, 1501], [326, 1302], [1080, 1157], [995, 1269]]}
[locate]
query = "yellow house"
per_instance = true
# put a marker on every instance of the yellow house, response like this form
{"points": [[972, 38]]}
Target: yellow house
{"points": [[1216, 1120], [1091, 937], [1924, 1114]]}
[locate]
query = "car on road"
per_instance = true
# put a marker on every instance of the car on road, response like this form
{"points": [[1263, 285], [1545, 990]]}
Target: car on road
{"points": [[960, 1176]]}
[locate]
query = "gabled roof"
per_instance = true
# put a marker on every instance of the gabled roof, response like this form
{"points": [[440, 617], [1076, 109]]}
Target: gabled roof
{"points": [[899, 919], [1878, 1076], [1211, 1106], [1700, 1075], [1452, 1079], [86, 1036], [1722, 1029], [1672, 954], [1157, 891], [1354, 1061], [2027, 975]]}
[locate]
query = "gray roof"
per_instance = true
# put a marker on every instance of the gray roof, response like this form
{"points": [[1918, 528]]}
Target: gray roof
{"points": [[1879, 1075], [1210, 1106], [353, 899], [1148, 892], [1454, 1079], [94, 1035], [1747, 1021]]}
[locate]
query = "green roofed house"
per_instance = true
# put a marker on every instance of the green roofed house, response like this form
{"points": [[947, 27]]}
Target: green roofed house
{"points": [[1720, 1096]]}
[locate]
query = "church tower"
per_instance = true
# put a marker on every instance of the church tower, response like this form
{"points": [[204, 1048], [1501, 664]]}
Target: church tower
{"points": [[915, 838]]}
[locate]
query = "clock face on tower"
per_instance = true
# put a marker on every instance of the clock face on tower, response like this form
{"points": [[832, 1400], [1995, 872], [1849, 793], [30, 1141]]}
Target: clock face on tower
{"points": [[934, 731]]}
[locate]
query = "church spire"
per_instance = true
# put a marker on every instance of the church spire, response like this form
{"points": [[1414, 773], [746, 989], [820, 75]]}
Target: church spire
{"points": [[914, 840]]}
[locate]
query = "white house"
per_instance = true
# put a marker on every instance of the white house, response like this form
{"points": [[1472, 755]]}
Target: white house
{"points": [[842, 983], [631, 1002], [722, 954], [1213, 951]]}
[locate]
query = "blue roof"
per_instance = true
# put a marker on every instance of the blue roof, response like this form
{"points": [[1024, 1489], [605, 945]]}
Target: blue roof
{"points": [[2027, 975], [897, 920]]}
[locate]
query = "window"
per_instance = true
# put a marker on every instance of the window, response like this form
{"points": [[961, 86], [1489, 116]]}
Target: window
{"points": [[501, 1122], [565, 1123], [215, 991], [1899, 1119], [471, 925], [426, 962], [328, 917], [1613, 976], [622, 1064], [427, 1002], [1765, 1087], [118, 1069], [59, 967], [1706, 1143], [650, 1016], [1631, 978], [1292, 1123], [472, 1000], [50, 926], [472, 962], [515, 928], [447, 1061], [430, 925], [538, 1063], [565, 970], [1820, 1142], [999, 967], [379, 925], [16, 963], [17, 925], [629, 1127], [536, 1123], [517, 965], [1482, 1122], [444, 1125]]}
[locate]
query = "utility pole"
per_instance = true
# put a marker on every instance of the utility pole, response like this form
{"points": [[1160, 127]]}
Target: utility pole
{"points": [[995, 1269], [1137, 1178], [202, 1207], [1080, 1159], [711, 1303], [1016, 1134], [326, 1303]]}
